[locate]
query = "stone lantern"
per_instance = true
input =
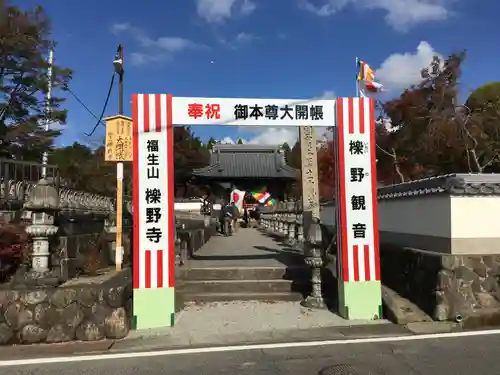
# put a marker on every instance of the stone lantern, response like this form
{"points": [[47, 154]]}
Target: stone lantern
{"points": [[314, 259], [43, 202]]}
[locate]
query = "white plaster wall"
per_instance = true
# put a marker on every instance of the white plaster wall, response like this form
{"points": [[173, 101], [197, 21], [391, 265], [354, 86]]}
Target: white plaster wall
{"points": [[475, 217], [427, 215], [192, 206], [187, 206]]}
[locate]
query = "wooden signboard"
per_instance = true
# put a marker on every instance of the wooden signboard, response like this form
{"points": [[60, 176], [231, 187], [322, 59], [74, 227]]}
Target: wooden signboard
{"points": [[118, 138]]}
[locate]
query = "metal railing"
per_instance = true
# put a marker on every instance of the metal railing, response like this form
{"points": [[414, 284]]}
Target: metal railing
{"points": [[25, 171]]}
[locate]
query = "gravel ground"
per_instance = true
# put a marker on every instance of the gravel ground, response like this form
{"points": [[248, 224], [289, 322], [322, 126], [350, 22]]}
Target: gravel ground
{"points": [[222, 321], [251, 316]]}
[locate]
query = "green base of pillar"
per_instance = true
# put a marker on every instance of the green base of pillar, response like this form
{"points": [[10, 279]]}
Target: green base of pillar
{"points": [[360, 300], [153, 308]]}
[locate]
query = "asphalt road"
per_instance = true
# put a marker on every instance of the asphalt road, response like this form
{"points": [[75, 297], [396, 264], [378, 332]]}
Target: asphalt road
{"points": [[450, 356]]}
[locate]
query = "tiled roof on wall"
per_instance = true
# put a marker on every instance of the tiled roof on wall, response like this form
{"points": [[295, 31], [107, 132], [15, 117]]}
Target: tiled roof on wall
{"points": [[452, 184]]}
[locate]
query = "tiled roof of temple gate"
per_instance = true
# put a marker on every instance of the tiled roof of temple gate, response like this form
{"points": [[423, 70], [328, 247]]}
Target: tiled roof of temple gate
{"points": [[247, 161], [453, 184]]}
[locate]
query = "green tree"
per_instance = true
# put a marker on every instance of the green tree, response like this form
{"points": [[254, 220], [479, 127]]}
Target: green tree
{"points": [[189, 153], [293, 156], [82, 168], [286, 148], [25, 37], [240, 141], [481, 115], [70, 161], [211, 142]]}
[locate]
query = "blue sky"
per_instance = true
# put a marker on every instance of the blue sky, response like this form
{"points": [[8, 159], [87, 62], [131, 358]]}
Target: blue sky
{"points": [[261, 48]]}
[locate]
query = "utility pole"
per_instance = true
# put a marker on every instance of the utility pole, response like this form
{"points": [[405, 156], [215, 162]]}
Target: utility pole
{"points": [[48, 106], [118, 64]]}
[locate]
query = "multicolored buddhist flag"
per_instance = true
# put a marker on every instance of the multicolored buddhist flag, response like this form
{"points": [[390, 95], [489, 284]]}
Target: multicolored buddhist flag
{"points": [[270, 202], [261, 197], [366, 81]]}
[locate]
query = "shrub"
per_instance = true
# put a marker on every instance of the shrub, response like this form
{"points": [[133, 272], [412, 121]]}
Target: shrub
{"points": [[14, 249]]}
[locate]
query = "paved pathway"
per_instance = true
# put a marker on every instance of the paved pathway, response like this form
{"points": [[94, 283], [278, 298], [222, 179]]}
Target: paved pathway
{"points": [[226, 321], [246, 248]]}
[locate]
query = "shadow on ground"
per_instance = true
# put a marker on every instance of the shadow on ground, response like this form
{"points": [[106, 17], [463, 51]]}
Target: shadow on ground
{"points": [[301, 281]]}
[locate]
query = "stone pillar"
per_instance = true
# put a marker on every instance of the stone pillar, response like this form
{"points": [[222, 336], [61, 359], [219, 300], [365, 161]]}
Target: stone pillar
{"points": [[280, 218], [311, 213], [265, 220], [284, 219], [275, 220], [300, 223], [291, 223], [43, 202], [300, 233], [309, 168]]}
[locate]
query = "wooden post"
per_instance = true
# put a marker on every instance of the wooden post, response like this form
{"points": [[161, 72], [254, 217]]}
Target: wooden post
{"points": [[119, 150], [119, 216]]}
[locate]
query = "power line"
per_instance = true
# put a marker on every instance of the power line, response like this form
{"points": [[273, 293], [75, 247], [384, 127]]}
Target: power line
{"points": [[105, 106], [83, 104]]}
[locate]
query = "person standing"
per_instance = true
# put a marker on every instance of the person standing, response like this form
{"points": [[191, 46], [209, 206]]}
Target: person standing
{"points": [[257, 215], [235, 217], [222, 215]]}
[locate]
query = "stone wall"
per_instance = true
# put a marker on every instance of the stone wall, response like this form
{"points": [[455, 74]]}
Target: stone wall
{"points": [[446, 287], [192, 237], [87, 309]]}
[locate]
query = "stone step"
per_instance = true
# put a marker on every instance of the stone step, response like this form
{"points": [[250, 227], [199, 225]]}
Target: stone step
{"points": [[239, 286], [199, 298], [245, 273]]}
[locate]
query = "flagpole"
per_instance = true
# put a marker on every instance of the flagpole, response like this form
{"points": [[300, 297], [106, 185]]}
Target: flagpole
{"points": [[357, 75]]}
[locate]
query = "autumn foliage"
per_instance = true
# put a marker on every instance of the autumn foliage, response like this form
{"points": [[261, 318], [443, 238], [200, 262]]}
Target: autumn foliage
{"points": [[426, 131], [326, 171], [13, 249]]}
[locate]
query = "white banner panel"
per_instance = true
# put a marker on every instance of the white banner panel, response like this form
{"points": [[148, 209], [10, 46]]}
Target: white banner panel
{"points": [[253, 112]]}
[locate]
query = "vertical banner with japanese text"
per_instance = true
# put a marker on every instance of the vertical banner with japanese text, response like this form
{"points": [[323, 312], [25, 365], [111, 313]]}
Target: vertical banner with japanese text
{"points": [[153, 192], [357, 190]]}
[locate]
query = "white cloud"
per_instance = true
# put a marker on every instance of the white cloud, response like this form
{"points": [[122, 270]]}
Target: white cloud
{"points": [[239, 40], [118, 28], [245, 37], [217, 11], [169, 44], [154, 49], [280, 135], [231, 141], [141, 58], [137, 58], [400, 14], [276, 136], [401, 70], [55, 125], [328, 94]]}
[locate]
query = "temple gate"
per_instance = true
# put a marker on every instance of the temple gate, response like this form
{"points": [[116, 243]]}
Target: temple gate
{"points": [[154, 116]]}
